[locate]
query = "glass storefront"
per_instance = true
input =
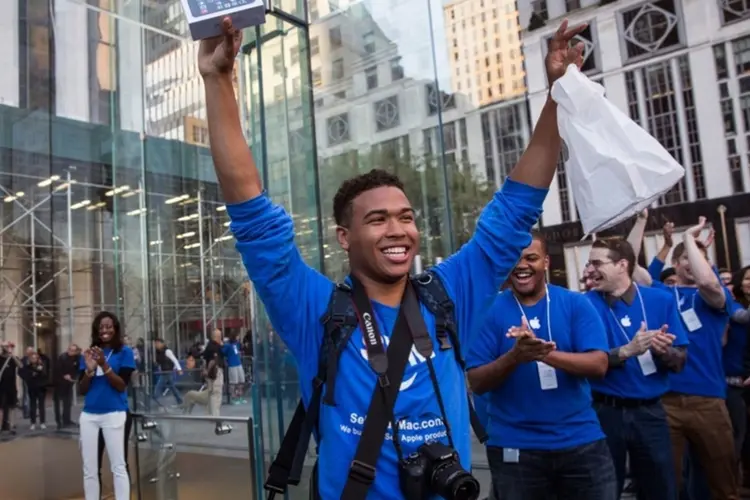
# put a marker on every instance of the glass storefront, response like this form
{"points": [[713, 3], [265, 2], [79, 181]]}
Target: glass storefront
{"points": [[110, 200]]}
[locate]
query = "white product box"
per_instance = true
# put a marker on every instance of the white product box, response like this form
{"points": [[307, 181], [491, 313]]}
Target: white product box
{"points": [[204, 16]]}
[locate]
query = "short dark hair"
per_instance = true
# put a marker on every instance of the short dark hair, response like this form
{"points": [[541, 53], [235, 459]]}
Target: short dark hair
{"points": [[679, 249], [116, 338], [618, 248], [351, 188], [667, 273], [736, 283], [539, 236]]}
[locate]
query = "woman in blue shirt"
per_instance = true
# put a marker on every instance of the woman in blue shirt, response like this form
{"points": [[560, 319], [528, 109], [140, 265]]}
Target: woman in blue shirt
{"points": [[106, 369]]}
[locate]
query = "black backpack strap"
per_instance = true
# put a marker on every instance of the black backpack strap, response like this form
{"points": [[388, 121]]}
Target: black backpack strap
{"points": [[434, 296], [339, 322]]}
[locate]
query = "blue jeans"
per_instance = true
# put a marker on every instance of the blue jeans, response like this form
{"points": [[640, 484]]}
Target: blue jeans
{"points": [[167, 381], [642, 433], [580, 473]]}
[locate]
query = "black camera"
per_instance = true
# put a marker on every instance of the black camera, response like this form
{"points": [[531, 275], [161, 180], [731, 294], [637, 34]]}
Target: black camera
{"points": [[434, 469]]}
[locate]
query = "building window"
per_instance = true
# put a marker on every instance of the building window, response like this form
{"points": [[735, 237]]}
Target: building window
{"points": [[397, 71], [371, 77], [664, 90], [296, 86], [338, 129], [734, 10], [386, 113], [650, 29], [337, 69], [562, 184], [313, 7], [368, 40], [37, 57], [732, 63], [278, 92], [590, 48], [447, 101], [334, 37], [317, 80], [571, 5], [390, 153], [278, 64], [454, 142], [314, 46], [539, 8], [505, 132]]}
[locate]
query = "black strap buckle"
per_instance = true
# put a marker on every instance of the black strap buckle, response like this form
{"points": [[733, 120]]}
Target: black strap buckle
{"points": [[362, 472]]}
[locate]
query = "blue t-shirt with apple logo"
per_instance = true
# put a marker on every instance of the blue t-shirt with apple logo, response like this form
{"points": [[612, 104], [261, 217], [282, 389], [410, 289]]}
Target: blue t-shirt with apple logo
{"points": [[102, 397], [296, 297]]}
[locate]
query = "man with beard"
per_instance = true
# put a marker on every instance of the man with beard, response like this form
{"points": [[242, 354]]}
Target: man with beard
{"points": [[695, 407], [376, 226], [647, 342], [544, 436]]}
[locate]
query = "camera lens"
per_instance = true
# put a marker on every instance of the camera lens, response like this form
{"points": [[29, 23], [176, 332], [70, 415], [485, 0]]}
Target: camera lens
{"points": [[465, 488], [452, 482]]}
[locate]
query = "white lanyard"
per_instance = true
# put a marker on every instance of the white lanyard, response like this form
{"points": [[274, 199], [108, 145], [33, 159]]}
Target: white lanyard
{"points": [[677, 298], [523, 313], [643, 311]]}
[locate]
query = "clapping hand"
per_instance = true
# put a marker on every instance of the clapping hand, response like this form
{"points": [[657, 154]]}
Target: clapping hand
{"points": [[90, 361], [662, 340], [528, 347], [640, 343], [667, 231]]}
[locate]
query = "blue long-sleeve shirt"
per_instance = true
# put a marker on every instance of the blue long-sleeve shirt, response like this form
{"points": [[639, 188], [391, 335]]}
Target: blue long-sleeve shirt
{"points": [[296, 296]]}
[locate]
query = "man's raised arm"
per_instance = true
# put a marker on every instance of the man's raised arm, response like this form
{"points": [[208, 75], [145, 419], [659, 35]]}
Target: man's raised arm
{"points": [[235, 168], [538, 163]]}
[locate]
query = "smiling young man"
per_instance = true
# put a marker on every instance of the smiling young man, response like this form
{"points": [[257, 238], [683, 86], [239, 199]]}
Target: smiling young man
{"points": [[376, 227], [646, 342], [544, 436]]}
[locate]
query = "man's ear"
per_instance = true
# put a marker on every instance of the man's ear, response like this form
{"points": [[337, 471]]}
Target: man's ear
{"points": [[342, 235]]}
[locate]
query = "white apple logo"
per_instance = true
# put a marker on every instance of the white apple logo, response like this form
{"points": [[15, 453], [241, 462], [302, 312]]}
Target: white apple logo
{"points": [[626, 322], [535, 324]]}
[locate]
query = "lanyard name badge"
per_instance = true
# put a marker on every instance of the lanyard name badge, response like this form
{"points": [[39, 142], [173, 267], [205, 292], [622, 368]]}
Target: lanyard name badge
{"points": [[689, 316], [547, 374], [646, 360], [99, 371]]}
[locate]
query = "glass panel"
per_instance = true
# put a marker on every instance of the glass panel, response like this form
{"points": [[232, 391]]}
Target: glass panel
{"points": [[176, 457]]}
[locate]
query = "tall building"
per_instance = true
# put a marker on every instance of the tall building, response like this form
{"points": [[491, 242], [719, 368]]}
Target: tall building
{"points": [[677, 69], [486, 60]]}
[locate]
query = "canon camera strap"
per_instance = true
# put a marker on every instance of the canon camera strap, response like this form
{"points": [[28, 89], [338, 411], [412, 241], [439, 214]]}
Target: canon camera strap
{"points": [[390, 369]]}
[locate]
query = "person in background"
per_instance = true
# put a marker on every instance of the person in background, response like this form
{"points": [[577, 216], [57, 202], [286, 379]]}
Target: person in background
{"points": [[695, 406], [25, 391], [544, 436], [65, 376], [235, 371], [213, 373], [646, 341], [725, 275], [106, 368], [9, 366], [36, 377], [668, 276], [168, 366]]}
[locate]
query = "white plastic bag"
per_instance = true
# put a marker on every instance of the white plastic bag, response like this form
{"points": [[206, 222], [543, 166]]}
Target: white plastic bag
{"points": [[615, 168]]}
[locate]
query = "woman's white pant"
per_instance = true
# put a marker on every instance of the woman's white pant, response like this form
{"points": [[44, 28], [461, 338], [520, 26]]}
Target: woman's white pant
{"points": [[112, 426]]}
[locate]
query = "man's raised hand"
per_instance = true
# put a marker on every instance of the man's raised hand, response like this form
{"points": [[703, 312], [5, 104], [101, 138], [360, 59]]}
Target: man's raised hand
{"points": [[216, 55], [560, 54]]}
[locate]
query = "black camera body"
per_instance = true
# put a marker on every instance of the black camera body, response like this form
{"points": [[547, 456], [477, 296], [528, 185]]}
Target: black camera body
{"points": [[434, 469]]}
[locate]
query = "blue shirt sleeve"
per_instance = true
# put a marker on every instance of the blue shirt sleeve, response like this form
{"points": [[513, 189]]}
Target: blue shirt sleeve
{"points": [[655, 269], [294, 294], [588, 330], [127, 358], [487, 344], [81, 362], [474, 274]]}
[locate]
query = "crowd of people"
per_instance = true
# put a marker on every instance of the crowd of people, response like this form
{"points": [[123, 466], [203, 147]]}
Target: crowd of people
{"points": [[640, 376]]}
